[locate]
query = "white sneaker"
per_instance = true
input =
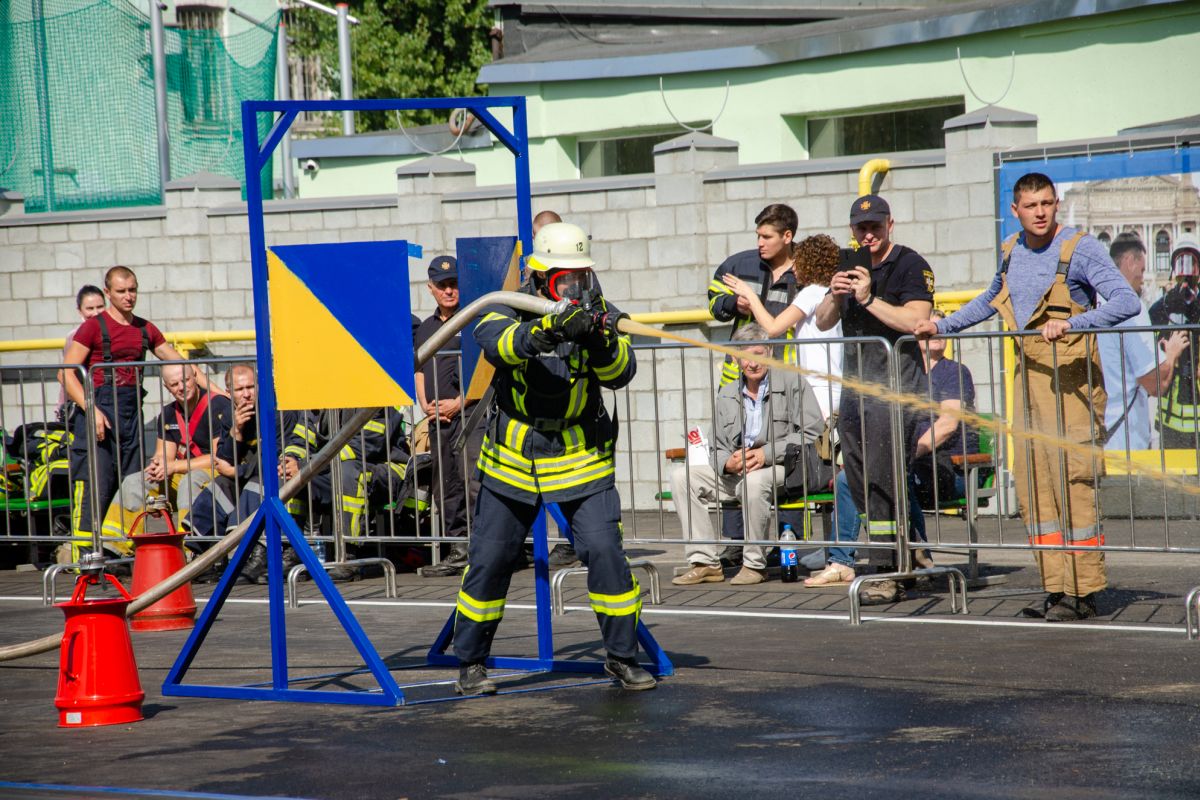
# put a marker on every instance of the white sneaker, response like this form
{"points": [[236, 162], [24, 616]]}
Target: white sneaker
{"points": [[833, 575]]}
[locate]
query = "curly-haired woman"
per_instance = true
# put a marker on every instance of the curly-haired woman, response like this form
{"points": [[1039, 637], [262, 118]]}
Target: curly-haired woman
{"points": [[814, 261]]}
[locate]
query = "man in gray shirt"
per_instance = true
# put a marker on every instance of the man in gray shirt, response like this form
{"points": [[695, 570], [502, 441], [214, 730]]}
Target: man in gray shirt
{"points": [[1056, 275]]}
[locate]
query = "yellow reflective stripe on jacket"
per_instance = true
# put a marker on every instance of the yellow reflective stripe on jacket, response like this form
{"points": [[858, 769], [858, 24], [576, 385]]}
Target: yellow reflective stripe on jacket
{"points": [[729, 371], [506, 466], [375, 426], [479, 610], [514, 436], [399, 469], [579, 396], [516, 478], [306, 434], [1177, 415], [577, 477], [40, 476], [614, 370], [575, 460], [519, 390], [573, 438], [716, 288], [346, 453], [501, 454], [505, 342], [618, 605]]}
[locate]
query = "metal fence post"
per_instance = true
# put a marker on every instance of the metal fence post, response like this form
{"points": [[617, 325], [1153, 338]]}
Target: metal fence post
{"points": [[343, 27], [284, 92], [159, 59]]}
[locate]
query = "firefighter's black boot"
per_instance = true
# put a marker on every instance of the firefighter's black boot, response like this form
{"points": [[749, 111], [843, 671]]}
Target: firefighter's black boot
{"points": [[473, 679], [629, 674], [255, 568]]}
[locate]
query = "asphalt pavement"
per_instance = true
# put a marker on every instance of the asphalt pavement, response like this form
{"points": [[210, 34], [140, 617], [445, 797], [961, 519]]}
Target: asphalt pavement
{"points": [[774, 695]]}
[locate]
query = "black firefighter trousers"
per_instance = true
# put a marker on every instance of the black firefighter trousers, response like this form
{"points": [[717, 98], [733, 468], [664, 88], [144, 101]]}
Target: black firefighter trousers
{"points": [[501, 525]]}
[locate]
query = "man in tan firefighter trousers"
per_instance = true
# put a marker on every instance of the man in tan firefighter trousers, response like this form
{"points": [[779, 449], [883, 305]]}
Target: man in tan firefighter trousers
{"points": [[549, 438], [1056, 274]]}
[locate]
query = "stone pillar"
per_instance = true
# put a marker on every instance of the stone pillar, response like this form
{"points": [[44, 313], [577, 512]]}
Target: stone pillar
{"points": [[684, 219], [184, 285]]}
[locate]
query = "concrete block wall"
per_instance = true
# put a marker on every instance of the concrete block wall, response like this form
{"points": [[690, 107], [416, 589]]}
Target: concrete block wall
{"points": [[658, 238]]}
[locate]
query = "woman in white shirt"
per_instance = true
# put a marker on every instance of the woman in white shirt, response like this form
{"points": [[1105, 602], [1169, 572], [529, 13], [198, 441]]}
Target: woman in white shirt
{"points": [[814, 261]]}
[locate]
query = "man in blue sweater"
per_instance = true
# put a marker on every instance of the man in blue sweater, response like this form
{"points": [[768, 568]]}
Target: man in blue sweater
{"points": [[1048, 281]]}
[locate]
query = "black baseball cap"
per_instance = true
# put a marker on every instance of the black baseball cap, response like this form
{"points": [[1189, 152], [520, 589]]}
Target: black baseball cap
{"points": [[869, 208], [443, 268]]}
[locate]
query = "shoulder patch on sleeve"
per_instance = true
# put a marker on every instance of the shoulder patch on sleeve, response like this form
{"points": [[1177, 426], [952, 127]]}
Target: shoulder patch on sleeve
{"points": [[928, 273]]}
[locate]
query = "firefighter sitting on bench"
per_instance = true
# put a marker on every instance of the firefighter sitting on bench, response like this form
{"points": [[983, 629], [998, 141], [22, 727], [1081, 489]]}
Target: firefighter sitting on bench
{"points": [[182, 464]]}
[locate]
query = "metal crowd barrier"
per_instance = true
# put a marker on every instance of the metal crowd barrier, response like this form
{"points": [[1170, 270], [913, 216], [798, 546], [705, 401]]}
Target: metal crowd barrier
{"points": [[43, 526], [673, 392]]}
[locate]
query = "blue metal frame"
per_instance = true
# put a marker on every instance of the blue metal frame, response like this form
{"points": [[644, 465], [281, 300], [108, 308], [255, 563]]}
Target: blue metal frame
{"points": [[272, 519]]}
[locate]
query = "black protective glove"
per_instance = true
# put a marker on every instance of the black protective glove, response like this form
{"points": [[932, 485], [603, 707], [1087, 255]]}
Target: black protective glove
{"points": [[605, 317], [545, 337], [572, 325]]}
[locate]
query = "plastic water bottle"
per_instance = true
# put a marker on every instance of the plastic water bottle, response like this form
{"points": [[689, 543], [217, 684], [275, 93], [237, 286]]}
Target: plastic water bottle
{"points": [[789, 561]]}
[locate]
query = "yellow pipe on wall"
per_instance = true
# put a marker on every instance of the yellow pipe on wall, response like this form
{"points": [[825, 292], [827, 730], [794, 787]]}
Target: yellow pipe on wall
{"points": [[868, 171], [183, 340], [190, 340]]}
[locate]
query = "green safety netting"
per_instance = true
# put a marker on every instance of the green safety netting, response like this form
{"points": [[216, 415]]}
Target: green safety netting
{"points": [[77, 94]]}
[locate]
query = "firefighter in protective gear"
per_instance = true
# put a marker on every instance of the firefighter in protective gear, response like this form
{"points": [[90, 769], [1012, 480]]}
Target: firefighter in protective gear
{"points": [[1179, 404], [371, 470], [1048, 278], [549, 438]]}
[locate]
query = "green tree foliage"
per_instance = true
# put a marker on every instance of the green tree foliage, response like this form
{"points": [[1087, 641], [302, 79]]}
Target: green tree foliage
{"points": [[402, 48]]}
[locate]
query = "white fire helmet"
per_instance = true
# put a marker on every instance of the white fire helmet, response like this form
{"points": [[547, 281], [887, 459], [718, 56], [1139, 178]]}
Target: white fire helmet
{"points": [[562, 252], [1185, 259], [561, 245]]}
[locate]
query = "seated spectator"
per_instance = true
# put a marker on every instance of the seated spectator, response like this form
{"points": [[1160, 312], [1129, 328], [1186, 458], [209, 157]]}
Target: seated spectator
{"points": [[1133, 371], [235, 493], [371, 469], [188, 431], [933, 476], [755, 418]]}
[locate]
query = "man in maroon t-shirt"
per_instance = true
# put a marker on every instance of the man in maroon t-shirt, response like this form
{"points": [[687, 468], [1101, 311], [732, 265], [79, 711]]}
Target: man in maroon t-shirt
{"points": [[112, 337]]}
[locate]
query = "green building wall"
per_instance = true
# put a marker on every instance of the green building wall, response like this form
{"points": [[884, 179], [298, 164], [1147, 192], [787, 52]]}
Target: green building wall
{"points": [[1083, 78]]}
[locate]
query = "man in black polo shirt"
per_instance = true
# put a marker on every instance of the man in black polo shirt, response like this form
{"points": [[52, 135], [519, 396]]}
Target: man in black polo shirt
{"points": [[439, 391], [885, 299]]}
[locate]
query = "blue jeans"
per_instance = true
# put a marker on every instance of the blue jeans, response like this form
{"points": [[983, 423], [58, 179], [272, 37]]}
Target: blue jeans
{"points": [[849, 523]]}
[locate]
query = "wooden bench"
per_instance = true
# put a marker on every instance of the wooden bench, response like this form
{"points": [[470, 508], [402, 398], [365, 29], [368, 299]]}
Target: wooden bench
{"points": [[821, 502]]}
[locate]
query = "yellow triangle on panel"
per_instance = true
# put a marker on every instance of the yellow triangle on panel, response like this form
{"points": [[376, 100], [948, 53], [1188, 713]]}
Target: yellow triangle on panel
{"points": [[318, 364]]}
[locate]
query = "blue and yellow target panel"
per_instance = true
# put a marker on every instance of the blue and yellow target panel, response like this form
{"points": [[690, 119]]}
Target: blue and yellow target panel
{"points": [[341, 327], [485, 264]]}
